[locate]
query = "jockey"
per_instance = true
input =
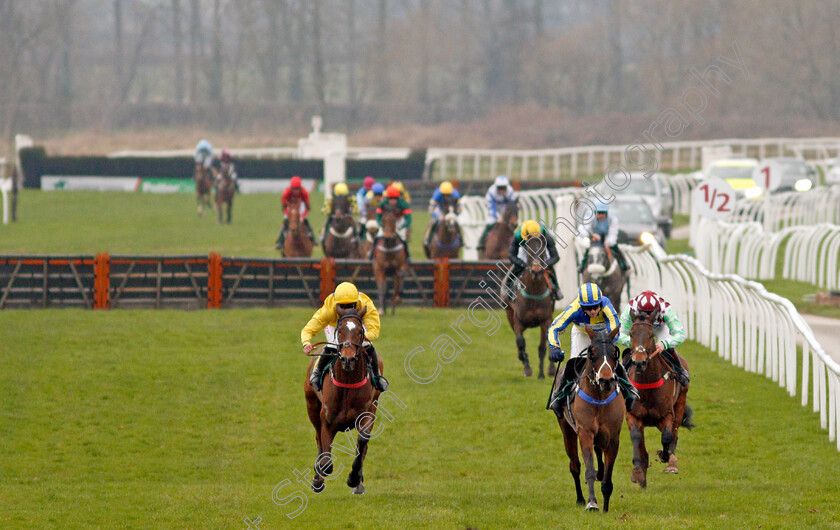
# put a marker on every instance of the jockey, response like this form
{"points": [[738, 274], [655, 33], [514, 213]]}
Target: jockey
{"points": [[403, 194], [372, 198], [670, 335], [361, 195], [293, 194], [519, 256], [339, 190], [603, 228], [326, 318], [227, 168], [204, 154], [402, 210], [592, 309], [436, 209], [498, 197]]}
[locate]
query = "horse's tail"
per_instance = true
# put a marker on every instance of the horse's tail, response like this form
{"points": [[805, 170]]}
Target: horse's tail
{"points": [[688, 415]]}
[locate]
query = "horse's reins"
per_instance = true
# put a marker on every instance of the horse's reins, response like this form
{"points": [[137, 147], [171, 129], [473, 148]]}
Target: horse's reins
{"points": [[657, 384]]}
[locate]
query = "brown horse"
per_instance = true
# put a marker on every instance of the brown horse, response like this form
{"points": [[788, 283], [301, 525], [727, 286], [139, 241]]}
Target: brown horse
{"points": [[225, 190], [498, 239], [530, 305], [389, 259], [203, 186], [661, 401], [347, 401], [341, 240], [595, 419], [297, 243], [446, 242]]}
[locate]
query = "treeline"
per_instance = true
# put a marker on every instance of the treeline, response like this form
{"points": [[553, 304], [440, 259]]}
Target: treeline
{"points": [[76, 63]]}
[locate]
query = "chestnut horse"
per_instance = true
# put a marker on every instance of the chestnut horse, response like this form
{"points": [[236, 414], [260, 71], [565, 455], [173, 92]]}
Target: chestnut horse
{"points": [[347, 401], [661, 401], [203, 186], [389, 259], [446, 242], [498, 239], [225, 190], [595, 419], [530, 305], [297, 243], [341, 240]]}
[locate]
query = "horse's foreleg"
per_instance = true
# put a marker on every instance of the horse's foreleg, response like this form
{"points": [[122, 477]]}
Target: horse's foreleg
{"points": [[667, 428], [609, 464], [518, 330], [570, 440], [586, 446], [323, 463], [381, 288], [356, 479], [599, 456], [640, 457]]}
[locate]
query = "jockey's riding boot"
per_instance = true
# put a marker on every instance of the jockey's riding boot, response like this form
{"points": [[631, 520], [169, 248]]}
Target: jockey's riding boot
{"points": [[407, 254], [379, 381], [627, 389], [326, 229], [482, 241], [315, 377], [680, 373], [619, 255], [583, 263], [555, 288], [563, 389], [309, 231]]}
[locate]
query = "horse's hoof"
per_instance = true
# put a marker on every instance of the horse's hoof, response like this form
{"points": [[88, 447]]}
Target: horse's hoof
{"points": [[672, 469], [527, 372], [638, 477], [541, 376], [359, 490], [592, 507], [551, 370], [318, 488]]}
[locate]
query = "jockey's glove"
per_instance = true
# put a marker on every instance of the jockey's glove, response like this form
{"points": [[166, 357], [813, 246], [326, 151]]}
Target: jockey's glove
{"points": [[556, 354]]}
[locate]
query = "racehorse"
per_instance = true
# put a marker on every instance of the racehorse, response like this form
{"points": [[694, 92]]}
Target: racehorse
{"points": [[297, 243], [347, 401], [203, 186], [662, 400], [530, 305], [341, 240], [499, 237], [446, 242], [225, 191], [602, 268], [389, 259], [595, 419]]}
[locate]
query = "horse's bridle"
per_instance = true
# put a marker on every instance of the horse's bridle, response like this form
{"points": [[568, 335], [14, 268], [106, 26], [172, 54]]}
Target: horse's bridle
{"points": [[347, 344], [593, 379]]}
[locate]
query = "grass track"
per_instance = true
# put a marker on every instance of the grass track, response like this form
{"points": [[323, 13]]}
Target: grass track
{"points": [[166, 419]]}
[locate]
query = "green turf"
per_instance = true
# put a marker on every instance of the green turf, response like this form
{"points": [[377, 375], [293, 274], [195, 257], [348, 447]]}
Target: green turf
{"points": [[167, 419], [79, 222]]}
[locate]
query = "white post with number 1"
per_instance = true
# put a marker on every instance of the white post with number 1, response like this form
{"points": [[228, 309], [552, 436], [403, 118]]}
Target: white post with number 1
{"points": [[768, 177]]}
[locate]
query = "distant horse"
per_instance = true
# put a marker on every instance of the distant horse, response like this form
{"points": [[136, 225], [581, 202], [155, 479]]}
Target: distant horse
{"points": [[498, 239], [341, 240], [297, 243], [595, 418], [530, 305], [602, 269], [347, 401], [661, 401], [225, 191], [203, 186], [446, 242], [389, 259]]}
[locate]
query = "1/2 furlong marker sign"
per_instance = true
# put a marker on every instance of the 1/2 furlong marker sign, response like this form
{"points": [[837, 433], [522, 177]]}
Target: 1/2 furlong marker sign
{"points": [[713, 198]]}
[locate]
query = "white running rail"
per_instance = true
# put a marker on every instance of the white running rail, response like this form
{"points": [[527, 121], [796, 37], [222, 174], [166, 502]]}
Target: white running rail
{"points": [[748, 326]]}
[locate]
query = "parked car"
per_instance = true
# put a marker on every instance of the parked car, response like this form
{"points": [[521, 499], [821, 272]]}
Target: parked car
{"points": [[654, 190], [796, 175], [635, 218], [737, 172], [833, 174]]}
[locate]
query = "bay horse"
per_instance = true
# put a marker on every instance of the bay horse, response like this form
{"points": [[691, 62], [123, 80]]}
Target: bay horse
{"points": [[499, 237], [203, 186], [530, 305], [341, 240], [595, 419], [225, 191], [662, 400], [347, 400], [297, 243], [446, 242], [389, 259], [602, 269]]}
